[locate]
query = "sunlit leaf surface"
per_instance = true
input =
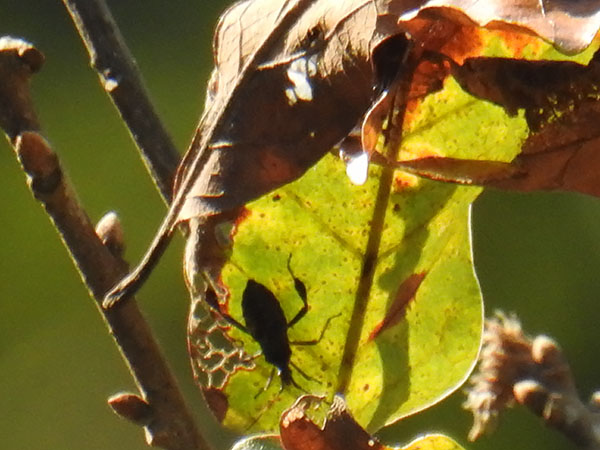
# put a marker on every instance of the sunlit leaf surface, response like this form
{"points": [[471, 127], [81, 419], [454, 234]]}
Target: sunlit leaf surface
{"points": [[433, 442], [388, 361]]}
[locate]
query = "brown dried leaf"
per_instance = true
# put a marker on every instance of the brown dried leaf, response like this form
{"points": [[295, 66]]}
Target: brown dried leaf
{"points": [[564, 155], [569, 25], [561, 100], [454, 170], [340, 431], [280, 116]]}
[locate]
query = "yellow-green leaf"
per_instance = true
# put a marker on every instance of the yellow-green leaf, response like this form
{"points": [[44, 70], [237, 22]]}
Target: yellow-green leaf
{"points": [[433, 442], [357, 248]]}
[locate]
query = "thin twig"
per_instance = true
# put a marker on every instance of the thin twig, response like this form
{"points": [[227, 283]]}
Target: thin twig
{"points": [[167, 420], [119, 76]]}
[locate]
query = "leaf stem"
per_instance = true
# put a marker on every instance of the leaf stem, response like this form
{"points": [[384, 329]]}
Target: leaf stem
{"points": [[392, 141]]}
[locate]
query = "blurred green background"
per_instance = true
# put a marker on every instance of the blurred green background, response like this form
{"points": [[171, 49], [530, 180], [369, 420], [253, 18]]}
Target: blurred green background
{"points": [[536, 255]]}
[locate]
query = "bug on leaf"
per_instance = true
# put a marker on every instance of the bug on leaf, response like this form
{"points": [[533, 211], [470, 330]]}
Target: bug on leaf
{"points": [[265, 322]]}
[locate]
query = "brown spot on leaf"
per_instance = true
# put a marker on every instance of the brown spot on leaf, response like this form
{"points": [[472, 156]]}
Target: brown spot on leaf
{"points": [[404, 295], [217, 402]]}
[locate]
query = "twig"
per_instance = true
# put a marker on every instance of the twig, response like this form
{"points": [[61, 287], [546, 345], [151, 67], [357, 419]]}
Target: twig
{"points": [[166, 420], [535, 373], [119, 76]]}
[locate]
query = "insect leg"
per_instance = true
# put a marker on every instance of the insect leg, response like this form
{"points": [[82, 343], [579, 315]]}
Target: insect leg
{"points": [[212, 300], [316, 341], [301, 290], [269, 381], [301, 372]]}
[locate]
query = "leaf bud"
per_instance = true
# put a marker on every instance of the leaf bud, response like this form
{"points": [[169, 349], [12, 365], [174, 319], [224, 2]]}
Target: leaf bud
{"points": [[131, 407]]}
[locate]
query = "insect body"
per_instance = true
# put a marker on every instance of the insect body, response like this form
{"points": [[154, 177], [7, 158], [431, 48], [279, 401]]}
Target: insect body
{"points": [[268, 326]]}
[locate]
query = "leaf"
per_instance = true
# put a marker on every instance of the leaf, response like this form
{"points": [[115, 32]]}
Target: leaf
{"points": [[562, 104], [354, 246], [261, 442], [294, 77], [433, 442], [335, 232], [570, 26], [274, 111], [340, 431]]}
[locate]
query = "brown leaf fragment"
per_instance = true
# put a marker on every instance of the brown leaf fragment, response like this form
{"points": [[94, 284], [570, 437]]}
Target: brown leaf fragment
{"points": [[340, 432], [452, 36], [278, 117], [453, 170], [545, 89], [217, 402], [569, 25], [404, 295], [573, 167], [564, 153]]}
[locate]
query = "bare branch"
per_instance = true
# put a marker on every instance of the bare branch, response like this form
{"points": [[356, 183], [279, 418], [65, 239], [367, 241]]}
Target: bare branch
{"points": [[535, 373], [169, 423], [119, 76]]}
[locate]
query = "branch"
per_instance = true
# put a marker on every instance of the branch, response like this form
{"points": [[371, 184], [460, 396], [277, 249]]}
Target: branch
{"points": [[121, 80], [166, 419], [535, 373]]}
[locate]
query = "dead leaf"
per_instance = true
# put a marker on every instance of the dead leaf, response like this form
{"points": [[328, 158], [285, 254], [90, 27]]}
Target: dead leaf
{"points": [[453, 170], [280, 116], [341, 431], [564, 155], [298, 432], [562, 105], [568, 25]]}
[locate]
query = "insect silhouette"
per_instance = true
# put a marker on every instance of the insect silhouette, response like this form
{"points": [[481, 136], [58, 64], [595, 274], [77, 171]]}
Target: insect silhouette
{"points": [[266, 323]]}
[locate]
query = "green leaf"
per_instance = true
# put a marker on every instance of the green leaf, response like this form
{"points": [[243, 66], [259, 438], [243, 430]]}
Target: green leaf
{"points": [[258, 442], [400, 226], [433, 442], [330, 228]]}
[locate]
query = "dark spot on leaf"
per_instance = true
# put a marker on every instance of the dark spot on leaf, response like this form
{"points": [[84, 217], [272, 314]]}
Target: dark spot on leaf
{"points": [[217, 402], [405, 294], [276, 197]]}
